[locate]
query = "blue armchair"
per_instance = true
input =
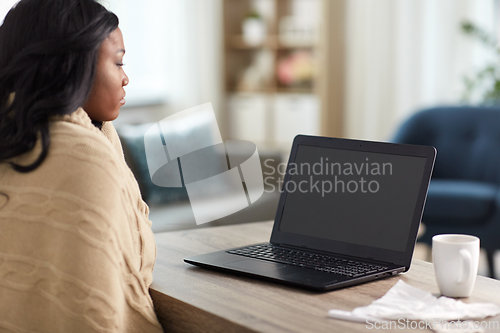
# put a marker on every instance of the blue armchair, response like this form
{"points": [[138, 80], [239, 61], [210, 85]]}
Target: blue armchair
{"points": [[464, 194]]}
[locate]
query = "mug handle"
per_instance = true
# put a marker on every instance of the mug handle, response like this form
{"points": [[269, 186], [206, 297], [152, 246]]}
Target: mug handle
{"points": [[466, 267]]}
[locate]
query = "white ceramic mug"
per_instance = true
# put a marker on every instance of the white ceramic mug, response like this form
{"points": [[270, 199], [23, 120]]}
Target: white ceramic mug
{"points": [[456, 260]]}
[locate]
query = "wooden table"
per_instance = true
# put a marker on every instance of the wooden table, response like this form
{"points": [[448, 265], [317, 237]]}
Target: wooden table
{"points": [[193, 299]]}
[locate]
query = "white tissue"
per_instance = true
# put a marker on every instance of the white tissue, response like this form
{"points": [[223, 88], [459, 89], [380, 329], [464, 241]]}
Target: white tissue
{"points": [[405, 301]]}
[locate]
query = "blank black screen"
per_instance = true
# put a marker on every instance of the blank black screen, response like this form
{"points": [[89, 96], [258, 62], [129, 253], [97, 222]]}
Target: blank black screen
{"points": [[371, 202]]}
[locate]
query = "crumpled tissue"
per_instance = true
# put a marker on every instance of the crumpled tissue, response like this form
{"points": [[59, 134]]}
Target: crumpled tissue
{"points": [[405, 301]]}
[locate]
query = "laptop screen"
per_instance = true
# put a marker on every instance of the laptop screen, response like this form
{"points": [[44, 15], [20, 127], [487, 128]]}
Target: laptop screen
{"points": [[352, 196]]}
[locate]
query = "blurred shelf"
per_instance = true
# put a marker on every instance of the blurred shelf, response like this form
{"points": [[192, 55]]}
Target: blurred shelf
{"points": [[297, 44], [268, 90], [257, 100], [238, 42], [293, 90]]}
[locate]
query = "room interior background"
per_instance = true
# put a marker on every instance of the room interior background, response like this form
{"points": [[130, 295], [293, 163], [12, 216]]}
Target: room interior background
{"points": [[395, 57], [374, 63], [390, 58]]}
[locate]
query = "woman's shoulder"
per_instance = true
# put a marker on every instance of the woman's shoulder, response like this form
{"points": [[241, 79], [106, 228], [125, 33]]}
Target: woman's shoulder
{"points": [[81, 161], [74, 127], [75, 136]]}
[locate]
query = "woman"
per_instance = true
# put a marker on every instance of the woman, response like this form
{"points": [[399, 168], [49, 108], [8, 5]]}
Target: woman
{"points": [[76, 246]]}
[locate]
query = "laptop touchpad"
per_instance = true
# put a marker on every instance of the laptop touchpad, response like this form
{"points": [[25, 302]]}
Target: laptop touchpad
{"points": [[254, 265]]}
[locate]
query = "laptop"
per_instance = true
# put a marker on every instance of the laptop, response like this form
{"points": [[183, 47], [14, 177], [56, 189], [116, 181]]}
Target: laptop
{"points": [[348, 213]]}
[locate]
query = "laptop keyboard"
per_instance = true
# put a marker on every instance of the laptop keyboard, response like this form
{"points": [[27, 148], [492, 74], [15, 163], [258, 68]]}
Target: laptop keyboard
{"points": [[315, 261]]}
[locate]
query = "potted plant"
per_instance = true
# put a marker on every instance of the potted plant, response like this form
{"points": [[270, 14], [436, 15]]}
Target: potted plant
{"points": [[253, 28], [485, 82]]}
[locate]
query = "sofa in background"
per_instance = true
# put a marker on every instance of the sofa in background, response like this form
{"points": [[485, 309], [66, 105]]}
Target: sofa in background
{"points": [[464, 193], [170, 208]]}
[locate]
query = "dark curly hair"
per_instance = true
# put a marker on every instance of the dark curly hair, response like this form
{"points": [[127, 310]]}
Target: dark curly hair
{"points": [[48, 56]]}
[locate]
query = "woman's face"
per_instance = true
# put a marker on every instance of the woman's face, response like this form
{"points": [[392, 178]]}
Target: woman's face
{"points": [[107, 94]]}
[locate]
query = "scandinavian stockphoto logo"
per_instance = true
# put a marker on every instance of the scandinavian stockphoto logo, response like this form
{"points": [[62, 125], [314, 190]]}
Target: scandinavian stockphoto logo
{"points": [[186, 150]]}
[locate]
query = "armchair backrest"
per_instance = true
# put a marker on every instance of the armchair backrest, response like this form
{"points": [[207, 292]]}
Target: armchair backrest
{"points": [[467, 140]]}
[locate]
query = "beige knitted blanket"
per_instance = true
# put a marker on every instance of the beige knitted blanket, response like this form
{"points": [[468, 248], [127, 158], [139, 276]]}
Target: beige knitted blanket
{"points": [[76, 246]]}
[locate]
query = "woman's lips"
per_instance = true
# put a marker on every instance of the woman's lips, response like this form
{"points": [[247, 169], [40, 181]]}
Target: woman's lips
{"points": [[122, 101]]}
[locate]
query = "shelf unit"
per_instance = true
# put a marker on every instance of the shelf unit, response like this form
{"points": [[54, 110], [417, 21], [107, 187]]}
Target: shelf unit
{"points": [[272, 80]]}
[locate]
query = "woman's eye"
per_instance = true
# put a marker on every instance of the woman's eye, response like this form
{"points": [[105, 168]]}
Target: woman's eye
{"points": [[120, 64]]}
